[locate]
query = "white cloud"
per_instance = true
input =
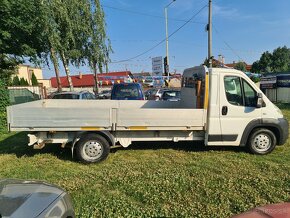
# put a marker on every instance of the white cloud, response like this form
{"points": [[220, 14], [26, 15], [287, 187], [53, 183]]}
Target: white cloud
{"points": [[224, 11]]}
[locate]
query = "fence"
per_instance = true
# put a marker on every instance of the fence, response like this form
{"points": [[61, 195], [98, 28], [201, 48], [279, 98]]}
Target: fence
{"points": [[22, 94]]}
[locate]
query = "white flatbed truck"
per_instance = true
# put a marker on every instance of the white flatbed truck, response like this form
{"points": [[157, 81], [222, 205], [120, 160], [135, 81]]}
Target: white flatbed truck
{"points": [[219, 106]]}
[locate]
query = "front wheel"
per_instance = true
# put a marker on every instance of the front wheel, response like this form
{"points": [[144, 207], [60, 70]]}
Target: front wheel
{"points": [[92, 148], [262, 141]]}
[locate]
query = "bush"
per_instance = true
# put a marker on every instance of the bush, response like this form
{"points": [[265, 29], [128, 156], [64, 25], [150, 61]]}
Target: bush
{"points": [[34, 80], [4, 102]]}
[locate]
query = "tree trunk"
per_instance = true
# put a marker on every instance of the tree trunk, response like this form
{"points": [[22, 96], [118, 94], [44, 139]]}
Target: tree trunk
{"points": [[67, 72], [96, 85], [56, 69]]}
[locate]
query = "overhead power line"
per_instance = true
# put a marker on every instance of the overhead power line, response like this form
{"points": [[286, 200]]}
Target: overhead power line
{"points": [[188, 21], [227, 44], [148, 15]]}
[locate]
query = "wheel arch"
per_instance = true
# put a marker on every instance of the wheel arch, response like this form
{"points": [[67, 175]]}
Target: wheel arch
{"points": [[270, 124]]}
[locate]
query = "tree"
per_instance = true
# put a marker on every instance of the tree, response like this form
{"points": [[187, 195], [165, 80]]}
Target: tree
{"points": [[255, 67], [16, 81], [278, 61], [75, 30], [281, 59], [8, 66], [266, 62], [34, 81], [98, 46], [57, 28], [23, 82], [240, 66], [70, 30], [21, 34]]}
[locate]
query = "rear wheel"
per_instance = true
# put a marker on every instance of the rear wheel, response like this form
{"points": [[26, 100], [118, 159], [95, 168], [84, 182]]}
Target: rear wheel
{"points": [[262, 141], [92, 148]]}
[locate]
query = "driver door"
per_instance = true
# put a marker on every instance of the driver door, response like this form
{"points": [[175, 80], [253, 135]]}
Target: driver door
{"points": [[238, 100]]}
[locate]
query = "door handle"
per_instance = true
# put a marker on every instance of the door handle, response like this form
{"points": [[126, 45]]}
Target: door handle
{"points": [[224, 110]]}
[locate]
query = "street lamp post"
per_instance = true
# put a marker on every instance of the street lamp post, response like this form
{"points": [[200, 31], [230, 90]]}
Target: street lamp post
{"points": [[166, 30]]}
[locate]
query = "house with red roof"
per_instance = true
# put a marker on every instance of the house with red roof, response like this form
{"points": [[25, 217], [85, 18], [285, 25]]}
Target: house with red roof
{"points": [[87, 80]]}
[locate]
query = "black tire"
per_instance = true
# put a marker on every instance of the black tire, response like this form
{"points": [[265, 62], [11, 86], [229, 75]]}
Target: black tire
{"points": [[262, 141], [92, 148]]}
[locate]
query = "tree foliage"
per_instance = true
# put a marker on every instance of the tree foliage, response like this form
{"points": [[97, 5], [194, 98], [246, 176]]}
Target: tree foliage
{"points": [[240, 66], [34, 81], [75, 29], [8, 66], [278, 61], [70, 30], [21, 34], [23, 82], [21, 28], [4, 102], [16, 81]]}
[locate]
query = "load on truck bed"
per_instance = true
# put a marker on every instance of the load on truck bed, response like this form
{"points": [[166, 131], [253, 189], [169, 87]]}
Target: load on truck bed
{"points": [[217, 106]]}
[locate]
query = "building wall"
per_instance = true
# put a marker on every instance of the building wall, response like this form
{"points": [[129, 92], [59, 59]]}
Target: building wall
{"points": [[45, 82], [26, 71]]}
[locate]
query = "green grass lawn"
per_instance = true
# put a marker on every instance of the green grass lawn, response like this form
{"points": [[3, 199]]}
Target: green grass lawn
{"points": [[153, 180]]}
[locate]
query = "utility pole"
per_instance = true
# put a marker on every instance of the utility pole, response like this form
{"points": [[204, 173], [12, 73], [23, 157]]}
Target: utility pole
{"points": [[166, 29], [209, 29]]}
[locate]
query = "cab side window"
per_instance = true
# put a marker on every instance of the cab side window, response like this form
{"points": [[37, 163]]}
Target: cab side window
{"points": [[239, 92], [233, 90], [250, 95]]}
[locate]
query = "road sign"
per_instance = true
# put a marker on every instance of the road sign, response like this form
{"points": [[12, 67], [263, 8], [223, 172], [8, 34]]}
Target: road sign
{"points": [[157, 67]]}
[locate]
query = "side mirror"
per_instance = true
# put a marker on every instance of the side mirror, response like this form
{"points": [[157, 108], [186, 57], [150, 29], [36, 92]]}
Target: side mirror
{"points": [[259, 100]]}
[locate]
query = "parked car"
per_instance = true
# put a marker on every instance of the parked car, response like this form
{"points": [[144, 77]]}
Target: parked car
{"points": [[105, 94], [267, 211], [170, 95], [127, 91], [83, 95], [148, 93], [155, 94], [21, 198]]}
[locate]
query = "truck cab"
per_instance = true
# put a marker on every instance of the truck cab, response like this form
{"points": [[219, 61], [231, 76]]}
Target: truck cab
{"points": [[238, 113]]}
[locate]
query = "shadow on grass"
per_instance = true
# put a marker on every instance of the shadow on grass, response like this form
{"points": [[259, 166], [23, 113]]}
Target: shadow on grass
{"points": [[17, 144], [196, 146]]}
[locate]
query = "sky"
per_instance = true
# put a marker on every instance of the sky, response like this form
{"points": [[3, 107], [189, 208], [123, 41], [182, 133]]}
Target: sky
{"points": [[242, 31]]}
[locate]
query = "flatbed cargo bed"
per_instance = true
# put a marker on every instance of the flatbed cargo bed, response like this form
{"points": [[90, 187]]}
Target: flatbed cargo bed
{"points": [[112, 115]]}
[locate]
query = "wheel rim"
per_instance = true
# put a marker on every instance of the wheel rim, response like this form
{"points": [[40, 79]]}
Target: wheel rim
{"points": [[262, 142], [92, 150]]}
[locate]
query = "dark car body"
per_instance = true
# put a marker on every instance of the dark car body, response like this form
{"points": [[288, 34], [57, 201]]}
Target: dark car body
{"points": [[127, 91], [280, 210], [83, 95], [21, 198]]}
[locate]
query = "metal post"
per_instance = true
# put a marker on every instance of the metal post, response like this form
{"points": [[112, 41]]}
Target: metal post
{"points": [[210, 33], [166, 28]]}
